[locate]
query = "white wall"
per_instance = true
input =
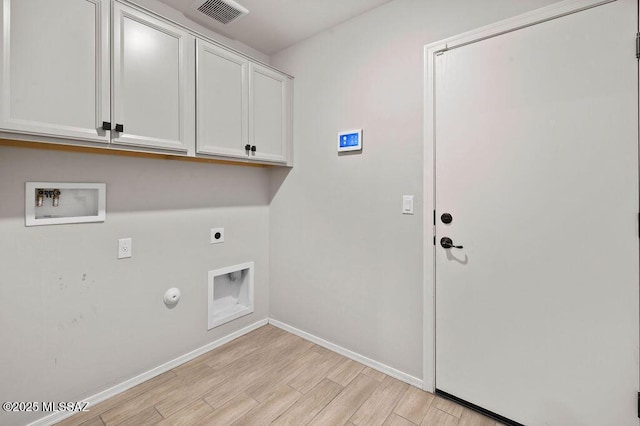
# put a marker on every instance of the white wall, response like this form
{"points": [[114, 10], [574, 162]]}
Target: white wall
{"points": [[75, 320], [346, 265]]}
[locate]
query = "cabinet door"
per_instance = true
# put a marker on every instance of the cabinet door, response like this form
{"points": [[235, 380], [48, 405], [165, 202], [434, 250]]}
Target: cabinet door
{"points": [[269, 114], [222, 101], [153, 85], [55, 68]]}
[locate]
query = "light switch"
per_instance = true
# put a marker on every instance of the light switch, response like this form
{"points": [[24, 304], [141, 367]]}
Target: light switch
{"points": [[407, 204]]}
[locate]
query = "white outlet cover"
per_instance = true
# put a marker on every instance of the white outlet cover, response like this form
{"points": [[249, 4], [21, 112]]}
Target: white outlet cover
{"points": [[217, 236], [125, 246]]}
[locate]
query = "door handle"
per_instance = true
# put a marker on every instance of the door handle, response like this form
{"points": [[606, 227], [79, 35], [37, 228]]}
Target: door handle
{"points": [[447, 243]]}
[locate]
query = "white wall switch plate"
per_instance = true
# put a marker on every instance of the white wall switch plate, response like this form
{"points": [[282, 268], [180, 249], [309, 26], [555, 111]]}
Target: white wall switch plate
{"points": [[125, 246], [217, 235], [407, 204]]}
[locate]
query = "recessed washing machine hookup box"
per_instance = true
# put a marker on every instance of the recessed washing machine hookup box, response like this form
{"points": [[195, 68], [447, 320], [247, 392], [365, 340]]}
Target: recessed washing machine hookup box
{"points": [[55, 203]]}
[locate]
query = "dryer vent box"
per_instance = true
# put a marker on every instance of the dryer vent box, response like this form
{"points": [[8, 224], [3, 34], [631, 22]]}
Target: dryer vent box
{"points": [[230, 293]]}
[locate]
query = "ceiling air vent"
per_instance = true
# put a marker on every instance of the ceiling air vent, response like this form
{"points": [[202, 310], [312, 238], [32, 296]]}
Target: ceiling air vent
{"points": [[223, 11]]}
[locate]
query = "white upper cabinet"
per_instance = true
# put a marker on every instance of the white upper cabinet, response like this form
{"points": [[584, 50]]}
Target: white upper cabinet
{"points": [[110, 73], [243, 108], [55, 68], [269, 115], [222, 101], [153, 82]]}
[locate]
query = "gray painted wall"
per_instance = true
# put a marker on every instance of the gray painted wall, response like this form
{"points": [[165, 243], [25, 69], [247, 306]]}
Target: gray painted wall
{"points": [[346, 265], [75, 320]]}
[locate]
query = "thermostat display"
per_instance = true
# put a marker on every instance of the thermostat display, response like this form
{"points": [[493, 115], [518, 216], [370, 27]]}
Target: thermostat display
{"points": [[350, 141]]}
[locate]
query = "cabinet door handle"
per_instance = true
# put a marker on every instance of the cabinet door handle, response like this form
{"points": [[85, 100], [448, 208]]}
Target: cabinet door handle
{"points": [[106, 125], [119, 128], [247, 147], [253, 148]]}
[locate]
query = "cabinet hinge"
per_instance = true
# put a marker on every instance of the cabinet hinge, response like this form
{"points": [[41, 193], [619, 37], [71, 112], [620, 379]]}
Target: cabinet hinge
{"points": [[637, 45]]}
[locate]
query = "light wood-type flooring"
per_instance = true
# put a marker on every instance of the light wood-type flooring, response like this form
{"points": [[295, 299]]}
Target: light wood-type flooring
{"points": [[270, 376]]}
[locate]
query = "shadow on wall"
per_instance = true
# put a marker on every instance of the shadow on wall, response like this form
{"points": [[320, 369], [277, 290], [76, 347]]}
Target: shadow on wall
{"points": [[133, 184], [277, 177]]}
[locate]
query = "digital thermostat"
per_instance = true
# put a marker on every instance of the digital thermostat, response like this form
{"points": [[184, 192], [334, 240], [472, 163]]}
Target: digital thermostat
{"points": [[350, 141]]}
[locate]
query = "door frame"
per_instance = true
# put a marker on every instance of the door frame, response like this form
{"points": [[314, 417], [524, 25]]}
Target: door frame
{"points": [[528, 19]]}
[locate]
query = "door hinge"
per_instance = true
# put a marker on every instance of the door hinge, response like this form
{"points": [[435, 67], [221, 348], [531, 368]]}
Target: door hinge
{"points": [[637, 45]]}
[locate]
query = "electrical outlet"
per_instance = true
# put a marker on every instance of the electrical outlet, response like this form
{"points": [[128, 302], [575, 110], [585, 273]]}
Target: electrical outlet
{"points": [[124, 248], [217, 235]]}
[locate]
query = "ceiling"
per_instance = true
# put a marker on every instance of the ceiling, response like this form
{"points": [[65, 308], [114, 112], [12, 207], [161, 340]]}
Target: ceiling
{"points": [[273, 25]]}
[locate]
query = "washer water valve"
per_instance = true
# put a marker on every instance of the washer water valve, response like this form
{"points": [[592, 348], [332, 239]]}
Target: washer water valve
{"points": [[48, 193]]}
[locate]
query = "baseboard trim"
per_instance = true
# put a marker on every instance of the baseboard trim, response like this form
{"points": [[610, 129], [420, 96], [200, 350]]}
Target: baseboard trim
{"points": [[128, 384], [383, 368]]}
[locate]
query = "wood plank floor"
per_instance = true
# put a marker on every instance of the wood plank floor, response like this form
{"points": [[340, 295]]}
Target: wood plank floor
{"points": [[270, 376]]}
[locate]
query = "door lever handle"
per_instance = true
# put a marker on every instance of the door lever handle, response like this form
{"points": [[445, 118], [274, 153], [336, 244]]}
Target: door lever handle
{"points": [[447, 243]]}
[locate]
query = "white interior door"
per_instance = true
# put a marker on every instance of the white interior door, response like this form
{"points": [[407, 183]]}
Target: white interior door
{"points": [[536, 134]]}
